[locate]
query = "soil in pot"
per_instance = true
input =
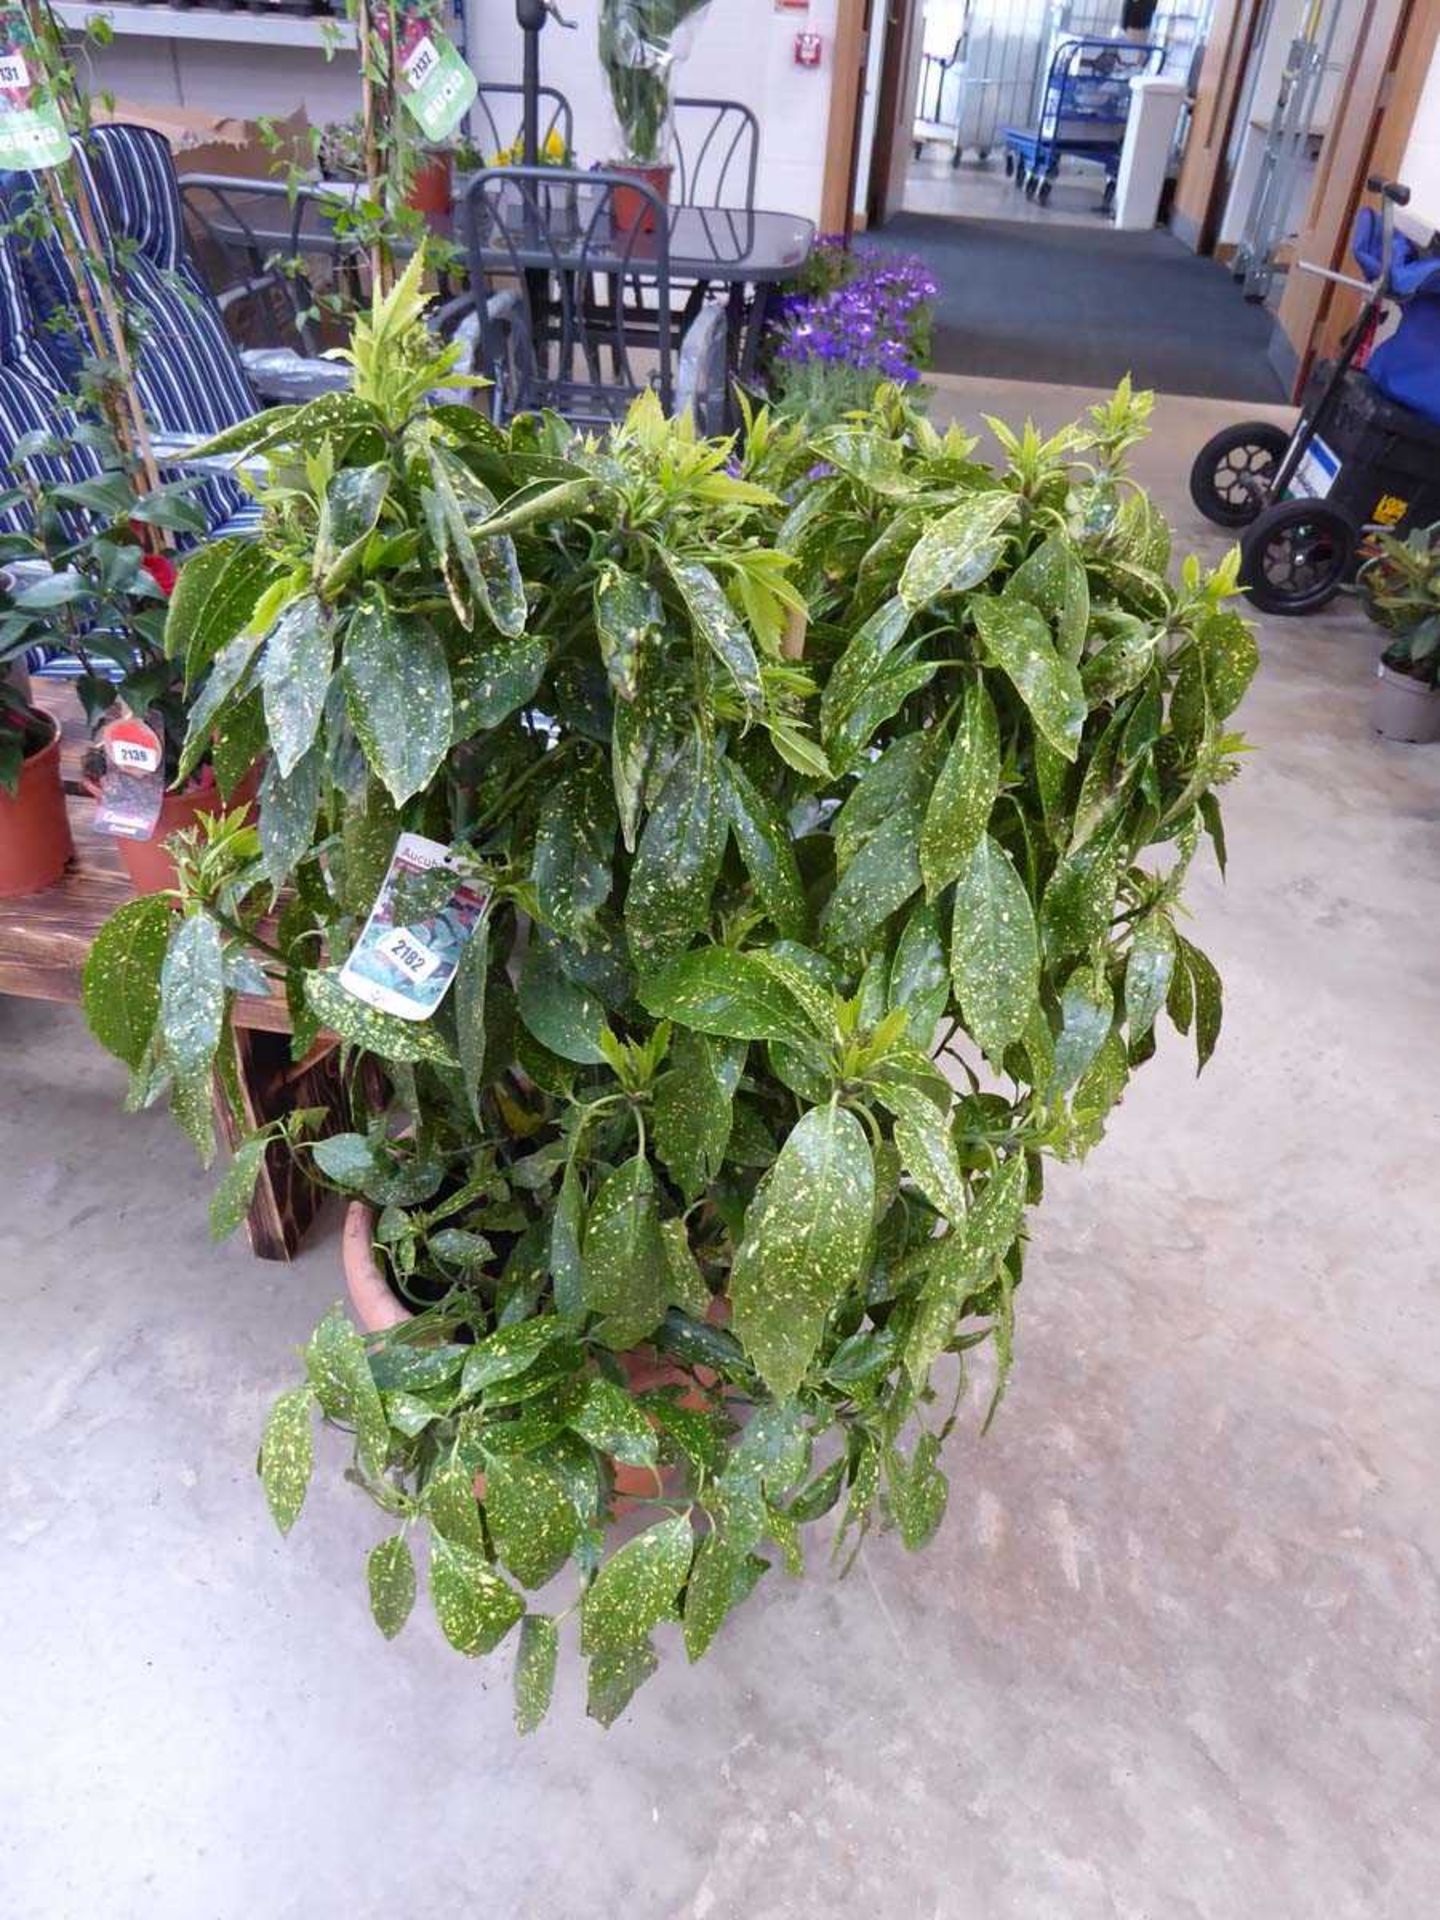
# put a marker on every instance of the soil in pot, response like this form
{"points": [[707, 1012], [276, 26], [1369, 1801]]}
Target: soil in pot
{"points": [[35, 843], [1404, 708], [632, 212]]}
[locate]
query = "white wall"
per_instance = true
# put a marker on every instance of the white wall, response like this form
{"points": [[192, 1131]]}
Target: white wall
{"points": [[739, 50], [1420, 169]]}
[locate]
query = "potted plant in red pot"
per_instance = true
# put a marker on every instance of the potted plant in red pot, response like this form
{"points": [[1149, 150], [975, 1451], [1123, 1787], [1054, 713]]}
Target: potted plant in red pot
{"points": [[1400, 585], [638, 52], [35, 841]]}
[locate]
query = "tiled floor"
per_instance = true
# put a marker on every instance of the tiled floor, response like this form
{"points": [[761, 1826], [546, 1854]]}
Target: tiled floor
{"points": [[976, 192]]}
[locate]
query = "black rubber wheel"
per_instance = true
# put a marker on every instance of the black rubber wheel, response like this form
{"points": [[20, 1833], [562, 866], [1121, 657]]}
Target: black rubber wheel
{"points": [[1032, 186], [1043, 193], [1231, 475], [1295, 556], [1107, 198], [1009, 166]]}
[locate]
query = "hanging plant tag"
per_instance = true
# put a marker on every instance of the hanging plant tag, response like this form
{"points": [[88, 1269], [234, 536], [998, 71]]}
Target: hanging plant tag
{"points": [[436, 84], [132, 787], [404, 961], [32, 134]]}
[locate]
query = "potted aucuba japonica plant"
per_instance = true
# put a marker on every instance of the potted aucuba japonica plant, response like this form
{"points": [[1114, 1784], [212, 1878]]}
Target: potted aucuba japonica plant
{"points": [[829, 839]]}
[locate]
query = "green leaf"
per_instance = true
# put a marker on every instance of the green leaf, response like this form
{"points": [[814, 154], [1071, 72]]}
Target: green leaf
{"points": [[491, 678], [339, 1372], [1208, 1000], [1087, 1008], [348, 516], [567, 1225], [958, 550], [804, 1243], [714, 619], [918, 1492], [452, 1508], [627, 613], [288, 812], [723, 1574], [214, 597], [287, 1455], [964, 793], [562, 1016], [692, 1115], [509, 1351], [610, 1420], [860, 666], [876, 883], [397, 693], [919, 974], [768, 852], [120, 988], [531, 1519], [348, 1159], [637, 1586], [192, 1103], [1147, 974], [615, 1677], [192, 994], [678, 859], [994, 948], [469, 1000], [964, 1263], [733, 995], [535, 1660], [1079, 900], [1052, 579], [475, 1607], [1231, 660], [574, 847], [295, 676], [231, 1200], [927, 1151], [1017, 639], [625, 1271], [382, 1034], [390, 1571]]}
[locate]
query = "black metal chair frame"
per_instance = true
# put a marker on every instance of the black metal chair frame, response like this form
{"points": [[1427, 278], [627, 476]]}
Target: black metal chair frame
{"points": [[560, 116], [551, 313], [706, 153]]}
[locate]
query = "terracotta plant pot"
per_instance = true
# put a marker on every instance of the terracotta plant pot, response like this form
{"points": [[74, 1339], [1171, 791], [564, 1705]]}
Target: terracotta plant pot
{"points": [[632, 212], [1404, 708], [377, 1310], [433, 190], [148, 862], [35, 843]]}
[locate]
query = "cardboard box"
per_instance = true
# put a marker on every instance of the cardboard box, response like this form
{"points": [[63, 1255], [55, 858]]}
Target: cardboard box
{"points": [[204, 142]]}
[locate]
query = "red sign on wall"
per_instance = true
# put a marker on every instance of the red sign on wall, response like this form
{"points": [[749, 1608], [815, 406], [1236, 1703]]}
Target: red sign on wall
{"points": [[807, 49]]}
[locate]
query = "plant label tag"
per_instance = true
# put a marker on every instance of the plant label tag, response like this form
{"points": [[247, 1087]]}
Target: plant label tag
{"points": [[438, 87], [405, 959], [32, 134], [132, 787]]}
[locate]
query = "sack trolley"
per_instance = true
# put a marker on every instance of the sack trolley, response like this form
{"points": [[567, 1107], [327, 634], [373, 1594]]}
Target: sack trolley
{"points": [[1365, 451], [1083, 111]]}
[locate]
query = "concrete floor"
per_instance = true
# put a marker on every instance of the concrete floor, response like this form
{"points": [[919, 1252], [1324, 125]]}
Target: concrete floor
{"points": [[976, 191], [1171, 1658]]}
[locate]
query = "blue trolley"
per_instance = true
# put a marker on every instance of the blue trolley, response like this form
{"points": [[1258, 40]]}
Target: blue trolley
{"points": [[1083, 113]]}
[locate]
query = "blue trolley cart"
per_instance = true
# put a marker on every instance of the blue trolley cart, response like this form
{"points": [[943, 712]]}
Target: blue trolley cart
{"points": [[1082, 115]]}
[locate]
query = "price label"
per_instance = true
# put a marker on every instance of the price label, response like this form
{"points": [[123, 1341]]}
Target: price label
{"points": [[410, 955], [439, 86], [13, 70], [132, 757], [421, 62]]}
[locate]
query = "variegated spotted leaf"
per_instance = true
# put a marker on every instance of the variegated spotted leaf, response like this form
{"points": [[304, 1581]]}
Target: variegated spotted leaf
{"points": [[964, 794], [231, 1200], [625, 1272], [287, 1455], [535, 1661], [574, 848], [733, 995], [1018, 640], [1087, 1009], [471, 979], [719, 626], [616, 1675], [383, 1034], [722, 1576], [288, 812], [875, 884], [121, 985], [963, 1264], [765, 846], [390, 1573], [1053, 580], [865, 659], [957, 551], [1208, 1000], [927, 1150], [295, 676], [476, 1608], [804, 1244], [920, 975], [994, 948], [532, 1522], [339, 1371], [637, 1586], [451, 1506], [627, 613], [1147, 974], [563, 1016], [192, 994], [610, 1420], [692, 1114], [678, 859], [397, 693], [491, 678]]}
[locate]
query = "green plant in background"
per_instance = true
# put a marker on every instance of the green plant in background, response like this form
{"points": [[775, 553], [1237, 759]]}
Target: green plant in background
{"points": [[1400, 584], [832, 838], [637, 53]]}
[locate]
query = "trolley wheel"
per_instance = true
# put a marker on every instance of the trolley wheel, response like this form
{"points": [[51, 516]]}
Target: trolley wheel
{"points": [[1107, 198], [1009, 166], [1294, 557], [1231, 476], [1032, 186], [1042, 192]]}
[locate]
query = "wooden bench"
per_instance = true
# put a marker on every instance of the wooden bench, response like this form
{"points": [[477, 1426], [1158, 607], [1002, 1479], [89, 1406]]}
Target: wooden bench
{"points": [[44, 941]]}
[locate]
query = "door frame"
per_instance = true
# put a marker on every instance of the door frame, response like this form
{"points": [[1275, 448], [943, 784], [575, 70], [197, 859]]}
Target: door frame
{"points": [[1201, 189]]}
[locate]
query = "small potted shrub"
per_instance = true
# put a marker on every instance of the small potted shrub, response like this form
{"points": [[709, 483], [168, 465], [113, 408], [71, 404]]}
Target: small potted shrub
{"points": [[637, 52], [1401, 587], [805, 863], [35, 841]]}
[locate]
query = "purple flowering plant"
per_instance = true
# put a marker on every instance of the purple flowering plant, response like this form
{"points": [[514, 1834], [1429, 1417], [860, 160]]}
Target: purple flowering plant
{"points": [[858, 318]]}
